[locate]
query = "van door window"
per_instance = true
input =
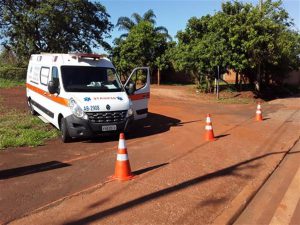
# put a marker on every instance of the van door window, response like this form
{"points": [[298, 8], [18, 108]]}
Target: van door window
{"points": [[54, 74], [139, 78], [44, 74], [55, 77]]}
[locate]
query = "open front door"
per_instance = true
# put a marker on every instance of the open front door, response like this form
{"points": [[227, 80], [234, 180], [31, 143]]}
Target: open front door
{"points": [[140, 77]]}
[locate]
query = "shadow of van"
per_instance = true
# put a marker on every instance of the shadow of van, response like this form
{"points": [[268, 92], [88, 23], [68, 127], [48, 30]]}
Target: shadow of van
{"points": [[153, 124]]}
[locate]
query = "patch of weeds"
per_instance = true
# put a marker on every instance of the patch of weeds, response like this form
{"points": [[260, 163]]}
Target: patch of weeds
{"points": [[177, 84], [235, 100], [7, 83], [22, 129]]}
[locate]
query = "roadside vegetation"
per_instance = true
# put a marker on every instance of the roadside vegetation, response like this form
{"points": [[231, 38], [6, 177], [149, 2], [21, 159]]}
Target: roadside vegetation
{"points": [[8, 83], [18, 128], [227, 95], [21, 129]]}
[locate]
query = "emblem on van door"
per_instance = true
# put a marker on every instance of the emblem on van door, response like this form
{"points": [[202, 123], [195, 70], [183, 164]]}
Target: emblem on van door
{"points": [[108, 107], [87, 99], [120, 98]]}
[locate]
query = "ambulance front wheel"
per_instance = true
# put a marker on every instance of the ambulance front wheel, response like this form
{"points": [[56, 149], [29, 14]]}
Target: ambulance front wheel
{"points": [[65, 136]]}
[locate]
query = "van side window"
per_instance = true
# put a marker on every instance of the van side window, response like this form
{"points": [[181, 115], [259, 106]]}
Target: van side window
{"points": [[44, 74]]}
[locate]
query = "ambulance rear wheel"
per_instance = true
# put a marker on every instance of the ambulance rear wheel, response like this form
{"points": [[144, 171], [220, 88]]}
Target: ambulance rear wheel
{"points": [[65, 136], [31, 110]]}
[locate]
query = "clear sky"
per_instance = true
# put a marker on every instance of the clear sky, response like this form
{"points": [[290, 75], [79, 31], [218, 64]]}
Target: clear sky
{"points": [[174, 14]]}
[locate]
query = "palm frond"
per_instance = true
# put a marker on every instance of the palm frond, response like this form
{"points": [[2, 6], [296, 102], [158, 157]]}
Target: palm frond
{"points": [[149, 16], [163, 31], [137, 17], [125, 23], [123, 36]]}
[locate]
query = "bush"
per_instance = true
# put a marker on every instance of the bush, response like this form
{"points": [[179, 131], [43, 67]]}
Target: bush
{"points": [[13, 72]]}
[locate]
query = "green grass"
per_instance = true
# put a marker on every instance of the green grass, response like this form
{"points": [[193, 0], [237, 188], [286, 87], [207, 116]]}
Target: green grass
{"points": [[6, 83], [22, 129]]}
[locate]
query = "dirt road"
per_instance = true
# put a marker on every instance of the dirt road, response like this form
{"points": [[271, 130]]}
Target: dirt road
{"points": [[175, 166]]}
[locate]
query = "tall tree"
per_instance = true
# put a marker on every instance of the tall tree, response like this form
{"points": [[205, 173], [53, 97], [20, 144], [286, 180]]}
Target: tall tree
{"points": [[126, 24], [143, 25], [53, 26], [197, 51], [142, 47]]}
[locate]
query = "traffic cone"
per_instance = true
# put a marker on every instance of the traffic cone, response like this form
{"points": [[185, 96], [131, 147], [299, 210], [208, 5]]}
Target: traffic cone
{"points": [[122, 167], [259, 113], [209, 134]]}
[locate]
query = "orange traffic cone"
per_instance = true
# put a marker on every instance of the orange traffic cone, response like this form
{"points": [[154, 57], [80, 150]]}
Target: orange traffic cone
{"points": [[259, 113], [122, 167], [209, 134]]}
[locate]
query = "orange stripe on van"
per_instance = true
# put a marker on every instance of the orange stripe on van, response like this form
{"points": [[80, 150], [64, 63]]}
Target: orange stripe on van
{"points": [[46, 94], [139, 96]]}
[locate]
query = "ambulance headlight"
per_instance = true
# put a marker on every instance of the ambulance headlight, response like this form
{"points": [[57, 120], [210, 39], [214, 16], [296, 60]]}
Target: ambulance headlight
{"points": [[76, 109], [129, 112]]}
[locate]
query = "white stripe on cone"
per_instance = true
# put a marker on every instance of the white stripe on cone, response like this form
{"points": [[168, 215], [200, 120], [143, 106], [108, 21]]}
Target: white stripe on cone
{"points": [[258, 106], [208, 127], [122, 144], [208, 120], [258, 112], [122, 157]]}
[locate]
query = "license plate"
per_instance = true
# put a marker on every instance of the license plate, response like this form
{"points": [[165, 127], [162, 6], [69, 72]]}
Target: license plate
{"points": [[109, 128]]}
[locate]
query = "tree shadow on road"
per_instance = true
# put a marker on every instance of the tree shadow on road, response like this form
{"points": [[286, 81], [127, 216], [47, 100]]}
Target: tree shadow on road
{"points": [[137, 173], [229, 171], [37, 168]]}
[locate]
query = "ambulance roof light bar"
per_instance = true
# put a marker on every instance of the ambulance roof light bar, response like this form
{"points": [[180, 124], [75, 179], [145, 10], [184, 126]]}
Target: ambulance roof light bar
{"points": [[87, 55]]}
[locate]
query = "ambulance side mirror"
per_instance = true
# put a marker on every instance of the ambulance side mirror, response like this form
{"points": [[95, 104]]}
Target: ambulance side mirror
{"points": [[130, 88], [53, 87]]}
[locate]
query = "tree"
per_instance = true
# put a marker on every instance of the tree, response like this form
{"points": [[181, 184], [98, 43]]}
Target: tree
{"points": [[7, 57], [139, 32], [197, 51], [270, 29], [126, 24], [254, 41], [142, 47], [53, 26], [235, 25]]}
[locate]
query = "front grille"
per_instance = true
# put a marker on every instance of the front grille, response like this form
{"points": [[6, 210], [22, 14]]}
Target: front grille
{"points": [[107, 117]]}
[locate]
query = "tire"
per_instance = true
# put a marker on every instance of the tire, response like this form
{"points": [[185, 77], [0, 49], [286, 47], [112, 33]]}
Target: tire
{"points": [[65, 136], [31, 110]]}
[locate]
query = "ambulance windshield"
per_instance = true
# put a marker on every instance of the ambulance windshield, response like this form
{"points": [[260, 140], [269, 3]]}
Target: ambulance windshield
{"points": [[90, 79]]}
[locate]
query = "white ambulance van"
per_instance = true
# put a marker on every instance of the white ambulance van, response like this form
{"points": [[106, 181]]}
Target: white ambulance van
{"points": [[82, 95]]}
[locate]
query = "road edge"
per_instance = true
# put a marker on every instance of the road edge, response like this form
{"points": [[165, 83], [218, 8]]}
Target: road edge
{"points": [[239, 203]]}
